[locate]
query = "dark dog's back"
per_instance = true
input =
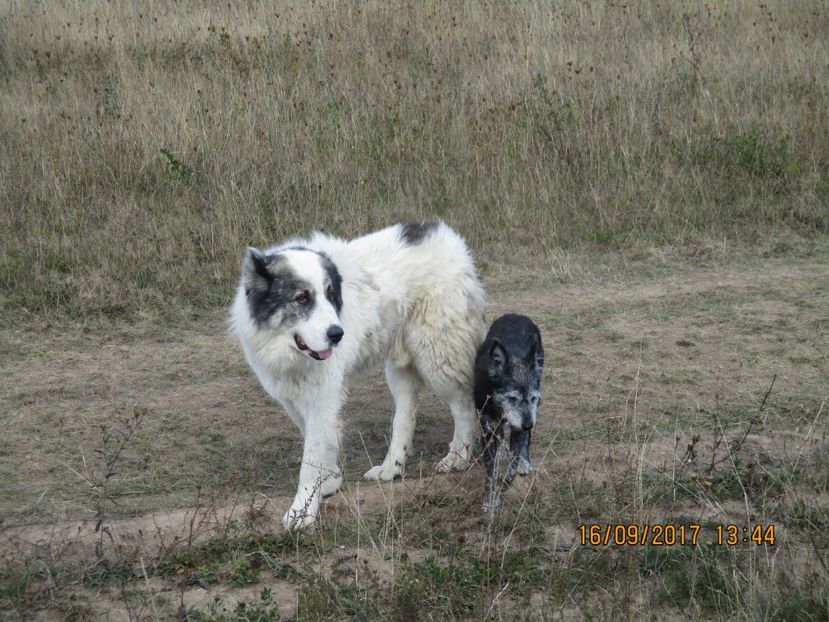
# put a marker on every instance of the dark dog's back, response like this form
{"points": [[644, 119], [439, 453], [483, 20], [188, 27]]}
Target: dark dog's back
{"points": [[508, 369]]}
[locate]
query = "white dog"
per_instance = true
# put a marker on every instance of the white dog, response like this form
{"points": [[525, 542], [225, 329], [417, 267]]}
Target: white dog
{"points": [[312, 315]]}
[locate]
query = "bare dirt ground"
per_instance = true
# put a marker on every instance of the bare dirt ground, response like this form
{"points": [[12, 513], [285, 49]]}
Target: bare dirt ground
{"points": [[641, 359]]}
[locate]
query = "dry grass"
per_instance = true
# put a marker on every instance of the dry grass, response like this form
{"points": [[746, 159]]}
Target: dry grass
{"points": [[144, 145], [628, 149]]}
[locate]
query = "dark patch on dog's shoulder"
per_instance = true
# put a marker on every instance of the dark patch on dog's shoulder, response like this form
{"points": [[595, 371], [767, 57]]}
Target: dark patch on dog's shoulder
{"points": [[414, 233]]}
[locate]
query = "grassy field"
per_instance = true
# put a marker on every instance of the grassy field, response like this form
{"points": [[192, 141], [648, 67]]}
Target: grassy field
{"points": [[143, 147], [650, 182]]}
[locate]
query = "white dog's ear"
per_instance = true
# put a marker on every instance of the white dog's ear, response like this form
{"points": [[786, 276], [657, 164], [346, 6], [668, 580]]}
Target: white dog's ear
{"points": [[497, 359], [255, 274]]}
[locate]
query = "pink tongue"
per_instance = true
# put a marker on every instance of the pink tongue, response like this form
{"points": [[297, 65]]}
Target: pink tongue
{"points": [[325, 353]]}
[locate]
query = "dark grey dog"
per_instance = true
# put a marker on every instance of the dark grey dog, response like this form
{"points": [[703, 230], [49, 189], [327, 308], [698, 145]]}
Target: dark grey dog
{"points": [[508, 370]]}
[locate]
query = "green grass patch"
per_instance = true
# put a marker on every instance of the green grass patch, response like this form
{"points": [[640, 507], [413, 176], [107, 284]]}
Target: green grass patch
{"points": [[238, 560]]}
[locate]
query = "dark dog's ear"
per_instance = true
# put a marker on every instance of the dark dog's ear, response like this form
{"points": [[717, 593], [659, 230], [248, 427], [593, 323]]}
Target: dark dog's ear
{"points": [[537, 364], [537, 356], [497, 359], [255, 273]]}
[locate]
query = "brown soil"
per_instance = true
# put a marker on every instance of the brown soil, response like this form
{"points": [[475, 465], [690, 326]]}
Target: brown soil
{"points": [[638, 362]]}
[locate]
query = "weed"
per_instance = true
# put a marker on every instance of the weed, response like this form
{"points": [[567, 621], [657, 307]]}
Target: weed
{"points": [[702, 574], [755, 150], [177, 167], [113, 443], [263, 611], [244, 572], [239, 559]]}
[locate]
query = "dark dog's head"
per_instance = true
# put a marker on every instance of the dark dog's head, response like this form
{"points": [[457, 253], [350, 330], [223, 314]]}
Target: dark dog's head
{"points": [[515, 384]]}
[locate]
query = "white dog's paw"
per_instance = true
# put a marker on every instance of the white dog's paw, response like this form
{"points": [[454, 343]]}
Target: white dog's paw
{"points": [[524, 467], [302, 513], [385, 472], [331, 485], [454, 461]]}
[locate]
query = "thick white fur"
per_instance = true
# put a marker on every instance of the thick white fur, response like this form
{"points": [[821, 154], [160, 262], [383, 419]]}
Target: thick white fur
{"points": [[417, 309]]}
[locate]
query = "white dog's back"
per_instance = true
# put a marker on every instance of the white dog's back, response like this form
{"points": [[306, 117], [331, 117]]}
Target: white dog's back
{"points": [[406, 295]]}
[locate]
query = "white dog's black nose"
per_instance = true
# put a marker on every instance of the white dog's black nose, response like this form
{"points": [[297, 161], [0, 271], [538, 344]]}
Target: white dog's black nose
{"points": [[334, 333]]}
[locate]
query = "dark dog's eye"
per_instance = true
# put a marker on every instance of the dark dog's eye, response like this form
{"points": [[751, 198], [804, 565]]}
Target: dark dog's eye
{"points": [[534, 399], [329, 293], [302, 298]]}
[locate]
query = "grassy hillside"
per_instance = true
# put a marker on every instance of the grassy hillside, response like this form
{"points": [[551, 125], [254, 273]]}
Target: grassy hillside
{"points": [[142, 147]]}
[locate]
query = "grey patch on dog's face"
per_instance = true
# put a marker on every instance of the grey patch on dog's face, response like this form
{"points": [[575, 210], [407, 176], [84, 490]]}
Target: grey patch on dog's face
{"points": [[415, 232], [274, 290], [333, 283], [518, 407], [518, 393]]}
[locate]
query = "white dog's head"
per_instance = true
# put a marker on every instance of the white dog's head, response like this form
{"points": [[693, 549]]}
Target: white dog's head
{"points": [[297, 292]]}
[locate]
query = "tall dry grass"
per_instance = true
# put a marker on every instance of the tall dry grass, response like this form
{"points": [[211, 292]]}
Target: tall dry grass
{"points": [[142, 146]]}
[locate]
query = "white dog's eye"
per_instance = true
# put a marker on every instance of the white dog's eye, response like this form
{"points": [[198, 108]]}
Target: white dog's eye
{"points": [[302, 298]]}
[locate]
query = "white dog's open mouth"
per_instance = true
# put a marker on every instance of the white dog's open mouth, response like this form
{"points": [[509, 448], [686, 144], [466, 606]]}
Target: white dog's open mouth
{"points": [[320, 356]]}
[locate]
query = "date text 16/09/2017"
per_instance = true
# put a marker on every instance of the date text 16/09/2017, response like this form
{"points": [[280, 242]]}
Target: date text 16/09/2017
{"points": [[667, 534]]}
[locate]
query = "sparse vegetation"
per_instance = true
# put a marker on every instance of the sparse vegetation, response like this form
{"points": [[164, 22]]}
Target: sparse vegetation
{"points": [[648, 181], [143, 147]]}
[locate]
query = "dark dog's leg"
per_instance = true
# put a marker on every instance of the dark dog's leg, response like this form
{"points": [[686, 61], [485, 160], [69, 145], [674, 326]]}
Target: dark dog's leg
{"points": [[492, 498], [519, 444]]}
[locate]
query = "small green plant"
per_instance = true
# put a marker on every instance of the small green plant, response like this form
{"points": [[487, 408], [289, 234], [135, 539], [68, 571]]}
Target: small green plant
{"points": [[755, 150], [245, 572], [465, 583], [176, 166], [324, 600], [703, 574], [238, 558], [263, 611]]}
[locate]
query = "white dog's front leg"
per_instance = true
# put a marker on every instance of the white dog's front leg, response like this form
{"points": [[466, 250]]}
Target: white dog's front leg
{"points": [[319, 472]]}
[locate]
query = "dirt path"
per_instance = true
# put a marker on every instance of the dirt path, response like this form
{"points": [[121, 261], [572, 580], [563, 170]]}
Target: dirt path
{"points": [[639, 360], [678, 335]]}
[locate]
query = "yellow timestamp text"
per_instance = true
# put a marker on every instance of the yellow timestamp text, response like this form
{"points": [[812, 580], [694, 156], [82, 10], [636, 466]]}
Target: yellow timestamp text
{"points": [[668, 534]]}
